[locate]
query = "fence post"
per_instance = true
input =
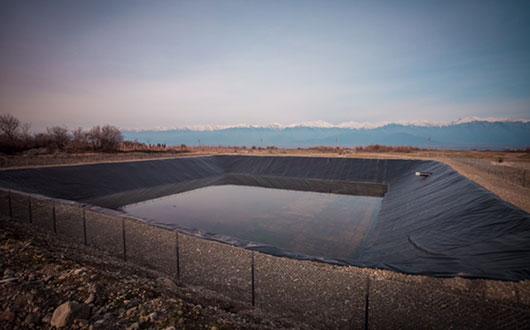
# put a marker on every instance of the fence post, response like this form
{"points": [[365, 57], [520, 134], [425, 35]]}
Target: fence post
{"points": [[367, 303], [123, 238], [84, 227], [252, 269], [29, 210], [9, 202], [54, 219], [178, 255]]}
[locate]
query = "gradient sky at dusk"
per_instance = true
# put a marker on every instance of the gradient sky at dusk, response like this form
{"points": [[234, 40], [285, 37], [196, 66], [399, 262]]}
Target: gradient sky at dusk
{"points": [[142, 64]]}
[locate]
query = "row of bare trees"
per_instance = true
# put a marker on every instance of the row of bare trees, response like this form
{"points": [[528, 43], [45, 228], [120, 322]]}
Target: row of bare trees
{"points": [[15, 136]]}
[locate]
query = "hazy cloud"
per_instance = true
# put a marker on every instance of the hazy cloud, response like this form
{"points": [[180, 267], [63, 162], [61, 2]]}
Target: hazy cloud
{"points": [[146, 64]]}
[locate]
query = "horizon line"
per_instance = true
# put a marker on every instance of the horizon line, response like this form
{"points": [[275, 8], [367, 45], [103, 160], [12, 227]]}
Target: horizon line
{"points": [[324, 124]]}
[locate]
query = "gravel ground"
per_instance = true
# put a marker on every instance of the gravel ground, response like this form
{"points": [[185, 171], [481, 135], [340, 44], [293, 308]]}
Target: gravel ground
{"points": [[40, 273], [509, 192]]}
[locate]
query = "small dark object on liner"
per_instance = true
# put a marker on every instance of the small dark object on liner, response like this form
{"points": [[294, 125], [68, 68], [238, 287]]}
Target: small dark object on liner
{"points": [[425, 174]]}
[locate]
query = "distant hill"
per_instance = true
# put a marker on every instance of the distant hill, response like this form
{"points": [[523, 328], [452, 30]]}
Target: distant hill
{"points": [[462, 134]]}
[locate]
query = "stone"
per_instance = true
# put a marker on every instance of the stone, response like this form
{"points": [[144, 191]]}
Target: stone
{"points": [[168, 283], [78, 271], [134, 326], [65, 314], [153, 316], [47, 318], [8, 279], [81, 322], [32, 318], [7, 316], [101, 310], [130, 311], [90, 299], [8, 273]]}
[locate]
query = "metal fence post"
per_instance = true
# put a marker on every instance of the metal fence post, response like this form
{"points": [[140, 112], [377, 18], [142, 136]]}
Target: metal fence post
{"points": [[9, 202], [252, 269], [367, 303], [54, 219], [123, 238], [84, 227], [177, 255], [29, 210]]}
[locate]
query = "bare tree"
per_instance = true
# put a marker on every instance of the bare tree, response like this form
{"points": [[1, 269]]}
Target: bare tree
{"points": [[111, 138], [41, 140], [10, 126], [59, 137], [94, 137], [16, 136], [26, 136], [80, 139], [106, 138], [24, 131]]}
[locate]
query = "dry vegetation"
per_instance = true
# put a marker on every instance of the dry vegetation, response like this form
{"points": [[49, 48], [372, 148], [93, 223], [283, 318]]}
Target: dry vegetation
{"points": [[15, 137], [58, 145]]}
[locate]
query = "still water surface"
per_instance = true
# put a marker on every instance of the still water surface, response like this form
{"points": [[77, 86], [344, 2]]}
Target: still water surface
{"points": [[316, 224]]}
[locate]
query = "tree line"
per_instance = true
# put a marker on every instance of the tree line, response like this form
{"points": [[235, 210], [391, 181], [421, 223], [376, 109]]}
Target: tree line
{"points": [[15, 136]]}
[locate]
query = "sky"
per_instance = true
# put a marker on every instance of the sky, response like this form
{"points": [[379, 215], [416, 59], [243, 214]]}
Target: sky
{"points": [[146, 64]]}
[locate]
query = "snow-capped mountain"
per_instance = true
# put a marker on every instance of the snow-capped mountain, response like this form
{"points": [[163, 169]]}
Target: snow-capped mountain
{"points": [[467, 133], [324, 124]]}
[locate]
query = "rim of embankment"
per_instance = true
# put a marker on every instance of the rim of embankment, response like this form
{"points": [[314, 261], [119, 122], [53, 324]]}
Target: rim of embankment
{"points": [[511, 194], [210, 154]]}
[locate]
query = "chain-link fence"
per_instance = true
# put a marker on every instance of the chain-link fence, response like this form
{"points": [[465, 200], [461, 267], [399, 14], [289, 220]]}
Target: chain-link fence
{"points": [[320, 295]]}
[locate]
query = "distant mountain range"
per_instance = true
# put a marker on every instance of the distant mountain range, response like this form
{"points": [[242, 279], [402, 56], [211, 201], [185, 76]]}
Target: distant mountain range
{"points": [[469, 133]]}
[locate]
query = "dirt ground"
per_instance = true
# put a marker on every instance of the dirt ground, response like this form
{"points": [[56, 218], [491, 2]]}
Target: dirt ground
{"points": [[38, 273], [506, 174]]}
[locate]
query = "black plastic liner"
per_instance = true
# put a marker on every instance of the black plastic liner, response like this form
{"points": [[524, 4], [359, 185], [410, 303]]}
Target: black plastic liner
{"points": [[118, 200], [442, 225]]}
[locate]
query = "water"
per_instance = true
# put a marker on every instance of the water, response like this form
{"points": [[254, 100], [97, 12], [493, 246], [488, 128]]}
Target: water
{"points": [[315, 224]]}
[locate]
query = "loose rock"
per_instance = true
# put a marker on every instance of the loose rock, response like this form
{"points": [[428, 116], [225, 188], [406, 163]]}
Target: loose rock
{"points": [[153, 316], [130, 311], [47, 318], [90, 299], [7, 316], [67, 312], [81, 322], [134, 326], [32, 318], [168, 283]]}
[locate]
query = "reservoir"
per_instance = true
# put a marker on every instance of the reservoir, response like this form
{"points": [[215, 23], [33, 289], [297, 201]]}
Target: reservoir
{"points": [[311, 223]]}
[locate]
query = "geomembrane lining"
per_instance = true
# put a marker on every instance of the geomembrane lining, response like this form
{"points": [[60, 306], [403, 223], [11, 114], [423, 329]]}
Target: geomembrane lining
{"points": [[442, 225]]}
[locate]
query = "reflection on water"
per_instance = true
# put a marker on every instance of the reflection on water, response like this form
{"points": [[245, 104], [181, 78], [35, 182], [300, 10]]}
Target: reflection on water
{"points": [[316, 224]]}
